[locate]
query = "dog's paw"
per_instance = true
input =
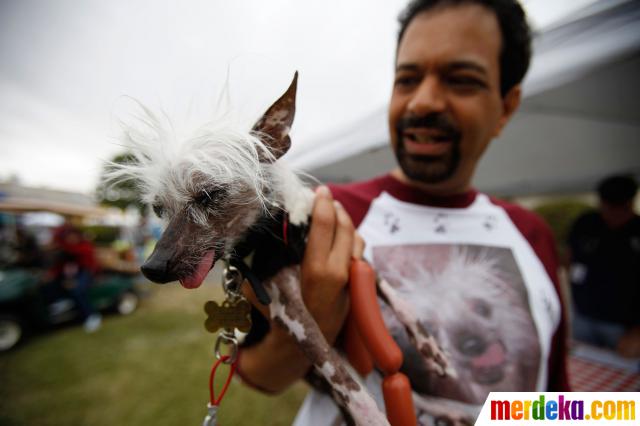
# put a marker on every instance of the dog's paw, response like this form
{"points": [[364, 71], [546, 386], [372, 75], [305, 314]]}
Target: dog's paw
{"points": [[300, 209]]}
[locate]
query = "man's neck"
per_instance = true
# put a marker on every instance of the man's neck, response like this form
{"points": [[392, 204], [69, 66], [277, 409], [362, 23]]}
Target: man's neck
{"points": [[440, 189]]}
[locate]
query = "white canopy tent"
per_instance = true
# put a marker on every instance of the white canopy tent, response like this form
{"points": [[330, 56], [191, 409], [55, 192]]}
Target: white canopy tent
{"points": [[579, 121]]}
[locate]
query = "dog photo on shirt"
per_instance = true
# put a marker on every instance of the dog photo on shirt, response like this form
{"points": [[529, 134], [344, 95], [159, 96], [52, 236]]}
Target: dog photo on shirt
{"points": [[473, 299]]}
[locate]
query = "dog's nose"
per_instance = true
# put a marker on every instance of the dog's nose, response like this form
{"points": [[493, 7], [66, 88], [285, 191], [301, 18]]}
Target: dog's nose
{"points": [[157, 271]]}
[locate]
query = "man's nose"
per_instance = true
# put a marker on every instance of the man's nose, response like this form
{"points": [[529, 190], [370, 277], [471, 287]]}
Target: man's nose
{"points": [[156, 269], [428, 98]]}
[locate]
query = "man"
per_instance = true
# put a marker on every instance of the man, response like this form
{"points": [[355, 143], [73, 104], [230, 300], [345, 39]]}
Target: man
{"points": [[480, 273], [605, 270]]}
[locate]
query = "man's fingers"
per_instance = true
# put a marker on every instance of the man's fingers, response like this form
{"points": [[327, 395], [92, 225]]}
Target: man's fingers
{"points": [[323, 222], [343, 241], [358, 246]]}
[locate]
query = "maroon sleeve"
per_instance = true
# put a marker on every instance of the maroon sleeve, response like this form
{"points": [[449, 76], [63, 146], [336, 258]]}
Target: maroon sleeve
{"points": [[356, 198], [539, 235]]}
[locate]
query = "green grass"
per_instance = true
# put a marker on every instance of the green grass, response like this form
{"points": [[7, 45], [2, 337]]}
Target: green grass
{"points": [[150, 368]]}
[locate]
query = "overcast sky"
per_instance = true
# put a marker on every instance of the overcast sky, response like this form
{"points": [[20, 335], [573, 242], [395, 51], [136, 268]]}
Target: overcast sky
{"points": [[67, 68]]}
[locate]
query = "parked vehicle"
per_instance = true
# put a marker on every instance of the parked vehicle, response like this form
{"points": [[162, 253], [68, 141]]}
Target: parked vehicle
{"points": [[33, 294], [26, 306]]}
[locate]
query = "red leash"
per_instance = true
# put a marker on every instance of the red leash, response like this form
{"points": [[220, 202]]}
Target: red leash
{"points": [[232, 369]]}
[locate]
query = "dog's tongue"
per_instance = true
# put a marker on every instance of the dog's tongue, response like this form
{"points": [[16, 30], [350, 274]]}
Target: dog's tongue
{"points": [[194, 280]]}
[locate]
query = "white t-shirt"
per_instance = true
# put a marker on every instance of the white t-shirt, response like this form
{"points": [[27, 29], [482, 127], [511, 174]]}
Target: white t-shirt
{"points": [[477, 285]]}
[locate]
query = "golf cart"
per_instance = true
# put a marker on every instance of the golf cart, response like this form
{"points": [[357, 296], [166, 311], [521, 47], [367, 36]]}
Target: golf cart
{"points": [[31, 302]]}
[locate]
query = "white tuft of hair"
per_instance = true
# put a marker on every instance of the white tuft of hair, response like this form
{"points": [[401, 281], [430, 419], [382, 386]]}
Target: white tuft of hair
{"points": [[220, 152]]}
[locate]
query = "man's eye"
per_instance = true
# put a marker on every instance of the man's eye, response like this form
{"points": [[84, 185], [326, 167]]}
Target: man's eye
{"points": [[158, 210], [405, 81], [466, 82]]}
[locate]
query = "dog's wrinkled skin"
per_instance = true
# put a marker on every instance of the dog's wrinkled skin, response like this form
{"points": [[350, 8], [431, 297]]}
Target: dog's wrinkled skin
{"points": [[199, 231], [210, 190]]}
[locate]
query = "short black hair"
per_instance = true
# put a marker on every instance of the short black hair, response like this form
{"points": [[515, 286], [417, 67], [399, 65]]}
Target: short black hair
{"points": [[617, 190], [515, 55]]}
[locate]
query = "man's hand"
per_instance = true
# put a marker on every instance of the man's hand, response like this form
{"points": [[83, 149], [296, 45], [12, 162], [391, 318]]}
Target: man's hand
{"points": [[325, 268], [276, 362]]}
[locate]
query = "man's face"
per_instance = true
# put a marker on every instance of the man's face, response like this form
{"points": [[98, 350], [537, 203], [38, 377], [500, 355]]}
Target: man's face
{"points": [[616, 215], [446, 104]]}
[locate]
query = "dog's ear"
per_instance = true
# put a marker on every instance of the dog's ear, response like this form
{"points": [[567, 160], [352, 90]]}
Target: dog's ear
{"points": [[274, 125]]}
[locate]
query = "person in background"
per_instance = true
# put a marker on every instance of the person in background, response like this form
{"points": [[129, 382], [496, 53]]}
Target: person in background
{"points": [[605, 270], [74, 269]]}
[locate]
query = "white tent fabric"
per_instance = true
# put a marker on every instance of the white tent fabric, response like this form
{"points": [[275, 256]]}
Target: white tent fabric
{"points": [[600, 34], [580, 119]]}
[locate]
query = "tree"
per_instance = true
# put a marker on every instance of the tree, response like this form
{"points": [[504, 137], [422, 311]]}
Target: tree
{"points": [[121, 194]]}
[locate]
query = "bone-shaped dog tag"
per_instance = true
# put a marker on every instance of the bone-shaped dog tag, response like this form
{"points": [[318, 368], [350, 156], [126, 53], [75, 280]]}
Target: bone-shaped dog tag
{"points": [[228, 316]]}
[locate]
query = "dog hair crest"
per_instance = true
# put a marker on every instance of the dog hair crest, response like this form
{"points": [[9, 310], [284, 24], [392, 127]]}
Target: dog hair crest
{"points": [[172, 173]]}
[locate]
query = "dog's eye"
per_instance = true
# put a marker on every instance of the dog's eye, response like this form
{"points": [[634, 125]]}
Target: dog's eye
{"points": [[207, 197], [158, 210], [203, 199]]}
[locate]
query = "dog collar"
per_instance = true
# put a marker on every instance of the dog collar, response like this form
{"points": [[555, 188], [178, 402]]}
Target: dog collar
{"points": [[270, 245]]}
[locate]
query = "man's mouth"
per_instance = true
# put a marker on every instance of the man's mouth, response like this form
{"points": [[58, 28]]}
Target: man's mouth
{"points": [[200, 273], [425, 141]]}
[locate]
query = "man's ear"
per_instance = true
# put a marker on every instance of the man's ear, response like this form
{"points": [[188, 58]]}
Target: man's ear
{"points": [[510, 103], [274, 125]]}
